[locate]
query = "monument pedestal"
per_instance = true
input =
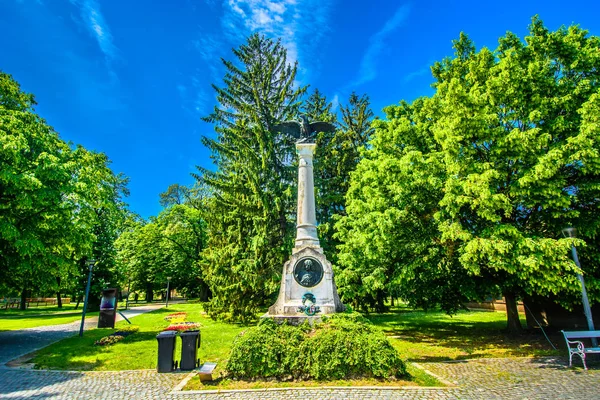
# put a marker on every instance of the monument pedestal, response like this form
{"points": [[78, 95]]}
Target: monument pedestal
{"points": [[307, 288], [298, 284]]}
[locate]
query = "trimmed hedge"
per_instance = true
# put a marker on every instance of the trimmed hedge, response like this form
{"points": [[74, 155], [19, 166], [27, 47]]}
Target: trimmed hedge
{"points": [[343, 346]]}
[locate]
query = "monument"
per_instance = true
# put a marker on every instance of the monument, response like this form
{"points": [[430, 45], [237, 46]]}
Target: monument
{"points": [[307, 286]]}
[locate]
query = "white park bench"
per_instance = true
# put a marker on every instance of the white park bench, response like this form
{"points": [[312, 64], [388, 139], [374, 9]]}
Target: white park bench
{"points": [[577, 347]]}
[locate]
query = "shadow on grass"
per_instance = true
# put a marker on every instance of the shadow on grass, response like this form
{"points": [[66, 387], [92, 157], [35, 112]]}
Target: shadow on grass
{"points": [[81, 354], [473, 334]]}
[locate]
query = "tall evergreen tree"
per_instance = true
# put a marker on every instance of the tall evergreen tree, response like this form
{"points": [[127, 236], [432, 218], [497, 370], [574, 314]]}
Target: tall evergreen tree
{"points": [[250, 216], [342, 156], [317, 108]]}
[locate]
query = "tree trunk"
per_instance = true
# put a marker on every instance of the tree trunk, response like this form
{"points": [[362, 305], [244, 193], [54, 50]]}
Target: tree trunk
{"points": [[58, 298], [204, 291], [380, 304], [392, 301], [512, 313], [78, 301], [149, 293], [24, 298]]}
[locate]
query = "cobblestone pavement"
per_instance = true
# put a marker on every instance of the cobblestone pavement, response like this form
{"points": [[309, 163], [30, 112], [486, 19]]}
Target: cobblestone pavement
{"points": [[14, 344], [512, 378]]}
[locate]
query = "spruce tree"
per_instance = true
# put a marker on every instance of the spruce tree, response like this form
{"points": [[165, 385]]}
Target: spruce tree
{"points": [[317, 108], [250, 216], [341, 158]]}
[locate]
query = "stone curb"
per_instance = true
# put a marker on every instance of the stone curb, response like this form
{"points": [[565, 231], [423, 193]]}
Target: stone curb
{"points": [[178, 389], [385, 388]]}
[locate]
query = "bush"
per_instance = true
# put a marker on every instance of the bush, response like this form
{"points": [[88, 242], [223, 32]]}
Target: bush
{"points": [[342, 346]]}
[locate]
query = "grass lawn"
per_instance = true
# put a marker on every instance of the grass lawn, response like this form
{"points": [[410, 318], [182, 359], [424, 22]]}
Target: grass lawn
{"points": [[137, 351], [13, 319], [435, 336], [40, 310], [14, 322], [417, 335]]}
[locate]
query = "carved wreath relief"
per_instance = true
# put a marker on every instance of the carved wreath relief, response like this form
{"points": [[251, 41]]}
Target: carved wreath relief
{"points": [[308, 272]]}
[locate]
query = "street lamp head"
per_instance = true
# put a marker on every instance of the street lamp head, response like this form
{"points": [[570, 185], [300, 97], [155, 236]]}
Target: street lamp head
{"points": [[169, 278], [569, 232], [91, 262]]}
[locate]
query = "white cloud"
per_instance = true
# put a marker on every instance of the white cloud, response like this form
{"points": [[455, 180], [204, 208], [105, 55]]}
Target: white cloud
{"points": [[193, 97], [418, 73], [94, 22], [335, 102], [368, 67], [301, 25]]}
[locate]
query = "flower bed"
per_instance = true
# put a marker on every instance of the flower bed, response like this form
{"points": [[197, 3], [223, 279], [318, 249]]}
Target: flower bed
{"points": [[183, 326], [178, 316], [117, 336]]}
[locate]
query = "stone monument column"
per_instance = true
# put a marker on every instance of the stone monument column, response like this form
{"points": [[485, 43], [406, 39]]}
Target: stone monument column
{"points": [[306, 227], [307, 288]]}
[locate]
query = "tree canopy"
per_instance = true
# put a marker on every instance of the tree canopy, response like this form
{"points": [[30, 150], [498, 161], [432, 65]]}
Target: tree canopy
{"points": [[467, 191], [55, 198]]}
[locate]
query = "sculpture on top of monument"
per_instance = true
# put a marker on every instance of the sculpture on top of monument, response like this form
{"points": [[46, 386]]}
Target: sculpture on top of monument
{"points": [[302, 130]]}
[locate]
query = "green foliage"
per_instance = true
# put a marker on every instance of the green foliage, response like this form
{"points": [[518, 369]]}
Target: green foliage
{"points": [[169, 245], [249, 215], [337, 155], [343, 346], [467, 191], [53, 200]]}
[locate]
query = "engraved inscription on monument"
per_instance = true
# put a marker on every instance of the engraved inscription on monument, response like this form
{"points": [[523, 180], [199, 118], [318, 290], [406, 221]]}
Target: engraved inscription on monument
{"points": [[308, 272]]}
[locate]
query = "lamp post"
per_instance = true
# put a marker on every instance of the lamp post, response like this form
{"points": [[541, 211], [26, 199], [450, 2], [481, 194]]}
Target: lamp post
{"points": [[91, 263], [572, 233], [128, 291], [168, 281]]}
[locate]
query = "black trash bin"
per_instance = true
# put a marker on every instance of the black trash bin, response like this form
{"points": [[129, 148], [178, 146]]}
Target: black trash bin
{"points": [[166, 351], [190, 342]]}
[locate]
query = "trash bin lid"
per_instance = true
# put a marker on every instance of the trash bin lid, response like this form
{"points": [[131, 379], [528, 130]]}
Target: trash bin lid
{"points": [[194, 332], [166, 334]]}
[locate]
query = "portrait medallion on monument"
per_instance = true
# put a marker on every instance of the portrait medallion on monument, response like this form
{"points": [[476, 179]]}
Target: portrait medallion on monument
{"points": [[308, 272]]}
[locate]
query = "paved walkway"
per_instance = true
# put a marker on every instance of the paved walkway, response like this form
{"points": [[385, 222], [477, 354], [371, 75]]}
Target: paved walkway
{"points": [[14, 344], [512, 378]]}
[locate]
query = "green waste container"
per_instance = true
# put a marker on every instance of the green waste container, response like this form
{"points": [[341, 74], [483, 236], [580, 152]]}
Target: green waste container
{"points": [[166, 351], [190, 342]]}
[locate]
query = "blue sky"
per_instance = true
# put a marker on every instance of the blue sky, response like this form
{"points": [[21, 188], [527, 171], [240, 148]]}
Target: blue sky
{"points": [[132, 78]]}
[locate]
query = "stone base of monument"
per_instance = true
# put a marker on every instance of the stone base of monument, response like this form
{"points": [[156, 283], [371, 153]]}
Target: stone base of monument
{"points": [[294, 320], [307, 288]]}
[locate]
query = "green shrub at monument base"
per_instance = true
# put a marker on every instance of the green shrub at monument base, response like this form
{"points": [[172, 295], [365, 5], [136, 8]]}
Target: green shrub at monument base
{"points": [[343, 346]]}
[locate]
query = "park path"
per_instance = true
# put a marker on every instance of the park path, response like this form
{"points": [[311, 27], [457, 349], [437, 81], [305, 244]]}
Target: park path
{"points": [[14, 344], [509, 378]]}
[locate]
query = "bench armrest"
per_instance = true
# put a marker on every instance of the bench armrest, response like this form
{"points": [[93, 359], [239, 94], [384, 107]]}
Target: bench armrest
{"points": [[580, 346]]}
